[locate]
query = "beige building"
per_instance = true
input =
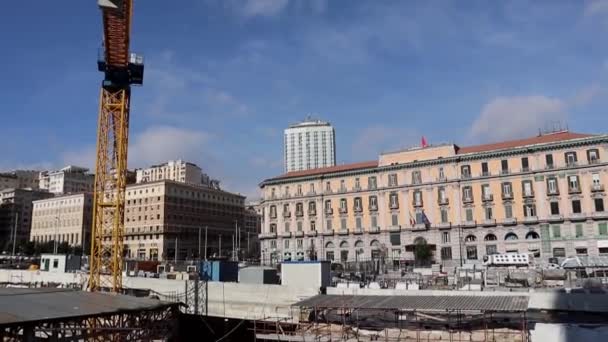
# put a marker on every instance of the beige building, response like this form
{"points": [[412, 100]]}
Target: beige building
{"points": [[69, 180], [63, 219], [544, 195], [164, 216], [19, 179], [175, 170]]}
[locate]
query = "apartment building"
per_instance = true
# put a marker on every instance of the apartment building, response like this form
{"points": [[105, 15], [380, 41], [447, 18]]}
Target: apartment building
{"points": [[63, 219], [309, 144], [68, 180], [175, 170], [19, 179], [164, 220], [16, 215], [544, 195]]}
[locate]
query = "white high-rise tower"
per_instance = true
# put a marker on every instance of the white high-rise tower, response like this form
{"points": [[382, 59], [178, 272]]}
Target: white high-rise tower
{"points": [[309, 144]]}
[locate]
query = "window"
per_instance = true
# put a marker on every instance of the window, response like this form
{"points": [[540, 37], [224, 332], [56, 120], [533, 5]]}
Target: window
{"points": [[328, 225], [471, 252], [342, 185], [392, 179], [573, 184], [444, 215], [417, 198], [273, 211], [445, 237], [446, 253], [273, 244], [595, 177], [593, 156], [358, 204], [470, 238], [527, 188], [416, 177], [299, 209], [570, 158], [311, 188], [395, 220], [554, 208], [373, 203], [467, 194], [299, 243], [603, 228], [529, 210], [357, 184], [486, 192], [441, 174], [328, 206], [508, 211], [329, 255], [312, 208], [469, 214], [599, 204], [465, 171], [394, 201], [581, 251], [504, 165], [443, 199], [343, 208], [525, 167], [299, 226], [559, 252], [552, 186], [510, 237], [286, 227], [299, 190], [491, 249], [549, 161], [576, 206], [579, 230], [489, 215], [374, 222], [328, 186], [507, 190], [372, 183], [557, 231], [358, 222], [343, 224], [484, 169]]}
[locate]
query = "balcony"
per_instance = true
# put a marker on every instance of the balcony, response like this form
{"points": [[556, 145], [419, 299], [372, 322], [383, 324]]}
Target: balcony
{"points": [[489, 223], [469, 224], [443, 201], [329, 211], [356, 188], [555, 218], [394, 228], [311, 193], [510, 221], [374, 230], [273, 216], [358, 209], [571, 164], [300, 213], [343, 210], [328, 232], [342, 190], [487, 198], [419, 226], [554, 192], [268, 235], [441, 179], [600, 215], [328, 192], [594, 161], [597, 188], [577, 217], [299, 233], [444, 225], [286, 234], [286, 195], [394, 206], [343, 231], [287, 214], [530, 219], [312, 212], [574, 190], [549, 167], [373, 208], [299, 194], [465, 176], [505, 172], [272, 197], [525, 169], [507, 196], [418, 204], [358, 231], [529, 194], [467, 200], [485, 174], [311, 233]]}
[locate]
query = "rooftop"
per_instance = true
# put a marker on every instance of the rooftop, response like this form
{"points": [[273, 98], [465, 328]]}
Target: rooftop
{"points": [[34, 305], [419, 303], [309, 122]]}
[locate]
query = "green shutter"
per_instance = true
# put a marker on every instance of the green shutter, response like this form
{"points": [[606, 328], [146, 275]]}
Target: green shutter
{"points": [[557, 232], [579, 230], [603, 227]]}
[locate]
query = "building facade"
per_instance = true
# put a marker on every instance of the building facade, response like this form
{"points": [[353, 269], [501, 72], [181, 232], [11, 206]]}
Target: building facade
{"points": [[63, 219], [543, 195], [19, 179], [16, 215], [69, 180], [175, 170], [310, 144], [163, 217]]}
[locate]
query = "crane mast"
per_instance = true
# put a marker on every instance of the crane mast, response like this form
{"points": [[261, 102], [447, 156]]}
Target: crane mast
{"points": [[121, 69]]}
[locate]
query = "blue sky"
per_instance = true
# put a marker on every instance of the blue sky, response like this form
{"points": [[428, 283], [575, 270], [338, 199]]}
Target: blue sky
{"points": [[225, 77]]}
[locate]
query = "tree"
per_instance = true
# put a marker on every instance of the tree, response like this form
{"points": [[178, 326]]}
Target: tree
{"points": [[422, 252]]}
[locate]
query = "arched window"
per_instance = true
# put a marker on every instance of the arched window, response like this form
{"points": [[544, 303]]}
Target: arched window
{"points": [[375, 244], [532, 236], [343, 244], [470, 238], [359, 243], [490, 237], [329, 244], [510, 237], [420, 241]]}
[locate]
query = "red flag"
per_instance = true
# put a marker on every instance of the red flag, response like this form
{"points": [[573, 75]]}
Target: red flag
{"points": [[423, 142]]}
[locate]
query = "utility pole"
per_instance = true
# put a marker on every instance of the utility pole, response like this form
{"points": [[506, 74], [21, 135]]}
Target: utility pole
{"points": [[199, 243], [220, 246], [15, 232], [175, 255], [233, 248], [234, 237], [205, 242], [55, 239]]}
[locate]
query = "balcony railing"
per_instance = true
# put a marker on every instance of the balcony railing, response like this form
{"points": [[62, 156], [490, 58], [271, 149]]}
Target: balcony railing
{"points": [[571, 164], [549, 167], [358, 209], [329, 211], [374, 230], [485, 174], [488, 198], [599, 215], [530, 219], [441, 179], [342, 190], [525, 169], [268, 235], [343, 231], [286, 234], [287, 214], [300, 213], [510, 221], [507, 196], [465, 176], [420, 226], [373, 208], [394, 206], [489, 223], [311, 193], [467, 199], [577, 217], [574, 190], [443, 201], [394, 228], [504, 172], [553, 192], [273, 196], [555, 218], [299, 233], [358, 231], [328, 191], [597, 187], [311, 233], [418, 204], [528, 194], [286, 196], [343, 210], [356, 188], [594, 161], [469, 224], [312, 212], [328, 232], [444, 225]]}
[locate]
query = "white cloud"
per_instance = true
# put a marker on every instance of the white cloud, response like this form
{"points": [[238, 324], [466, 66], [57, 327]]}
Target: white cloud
{"points": [[517, 116], [586, 95], [265, 8], [596, 7]]}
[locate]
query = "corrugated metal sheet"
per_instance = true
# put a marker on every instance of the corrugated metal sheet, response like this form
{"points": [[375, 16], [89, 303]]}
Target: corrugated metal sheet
{"points": [[29, 305], [575, 302], [586, 261], [420, 303]]}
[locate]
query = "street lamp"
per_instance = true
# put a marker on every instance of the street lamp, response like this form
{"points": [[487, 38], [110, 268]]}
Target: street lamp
{"points": [[55, 238]]}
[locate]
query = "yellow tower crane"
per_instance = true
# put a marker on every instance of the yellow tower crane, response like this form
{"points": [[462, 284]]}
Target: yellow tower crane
{"points": [[121, 69]]}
